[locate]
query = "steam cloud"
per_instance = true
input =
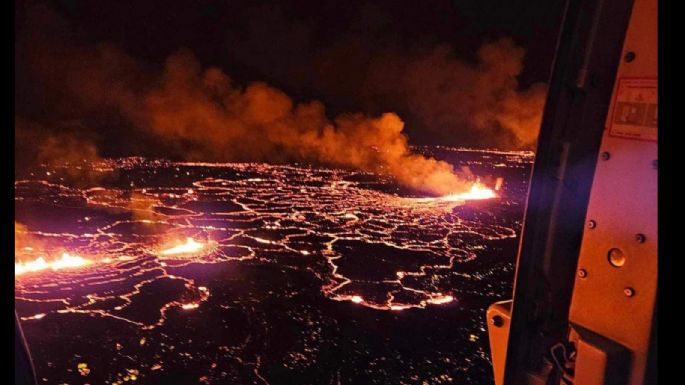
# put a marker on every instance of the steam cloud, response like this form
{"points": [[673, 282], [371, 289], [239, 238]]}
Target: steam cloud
{"points": [[200, 114]]}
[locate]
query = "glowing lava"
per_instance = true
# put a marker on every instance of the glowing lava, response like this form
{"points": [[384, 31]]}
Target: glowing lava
{"points": [[441, 299], [190, 306], [66, 261], [191, 246], [286, 213], [477, 191], [253, 244]]}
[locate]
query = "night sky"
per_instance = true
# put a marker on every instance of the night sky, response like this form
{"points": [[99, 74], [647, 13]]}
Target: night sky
{"points": [[331, 51]]}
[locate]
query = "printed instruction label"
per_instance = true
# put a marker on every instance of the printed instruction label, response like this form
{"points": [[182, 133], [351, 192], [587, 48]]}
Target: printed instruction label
{"points": [[635, 109]]}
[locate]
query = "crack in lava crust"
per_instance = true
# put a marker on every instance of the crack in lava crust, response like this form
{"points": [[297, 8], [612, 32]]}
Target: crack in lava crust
{"points": [[366, 246]]}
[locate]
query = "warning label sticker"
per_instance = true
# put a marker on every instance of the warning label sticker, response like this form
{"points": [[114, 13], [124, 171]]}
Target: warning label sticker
{"points": [[635, 109]]}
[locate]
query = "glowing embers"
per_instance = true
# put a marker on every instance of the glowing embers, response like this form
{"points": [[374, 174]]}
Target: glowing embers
{"points": [[66, 261], [190, 247]]}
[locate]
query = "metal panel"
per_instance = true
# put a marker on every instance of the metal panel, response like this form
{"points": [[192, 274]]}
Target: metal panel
{"points": [[600, 361], [581, 85], [499, 317], [615, 290]]}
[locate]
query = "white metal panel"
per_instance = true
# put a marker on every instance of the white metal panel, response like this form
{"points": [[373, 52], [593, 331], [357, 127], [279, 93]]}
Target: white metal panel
{"points": [[618, 302]]}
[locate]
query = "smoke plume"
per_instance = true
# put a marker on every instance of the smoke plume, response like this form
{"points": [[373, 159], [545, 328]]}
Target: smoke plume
{"points": [[217, 120], [478, 102], [70, 150], [201, 114], [446, 94]]}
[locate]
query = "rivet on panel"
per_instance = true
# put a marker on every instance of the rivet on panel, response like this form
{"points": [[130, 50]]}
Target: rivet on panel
{"points": [[629, 57], [616, 257], [497, 321]]}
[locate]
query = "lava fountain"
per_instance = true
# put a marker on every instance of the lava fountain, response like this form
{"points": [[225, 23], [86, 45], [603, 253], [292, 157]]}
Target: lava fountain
{"points": [[66, 261], [478, 191], [190, 246]]}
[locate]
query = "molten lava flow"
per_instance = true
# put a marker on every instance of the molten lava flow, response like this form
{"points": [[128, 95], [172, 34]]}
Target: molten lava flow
{"points": [[441, 299], [189, 247], [357, 299], [477, 191], [66, 261], [190, 306], [285, 215]]}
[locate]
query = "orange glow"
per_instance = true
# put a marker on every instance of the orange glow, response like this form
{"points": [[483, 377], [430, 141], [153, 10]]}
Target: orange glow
{"points": [[190, 306], [477, 191], [357, 299], [36, 316], [66, 261], [441, 299], [189, 247]]}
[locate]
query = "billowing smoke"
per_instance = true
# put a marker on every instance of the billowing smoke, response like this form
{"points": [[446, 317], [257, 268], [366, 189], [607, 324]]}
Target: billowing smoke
{"points": [[69, 149], [446, 95], [201, 114], [480, 102], [214, 119]]}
